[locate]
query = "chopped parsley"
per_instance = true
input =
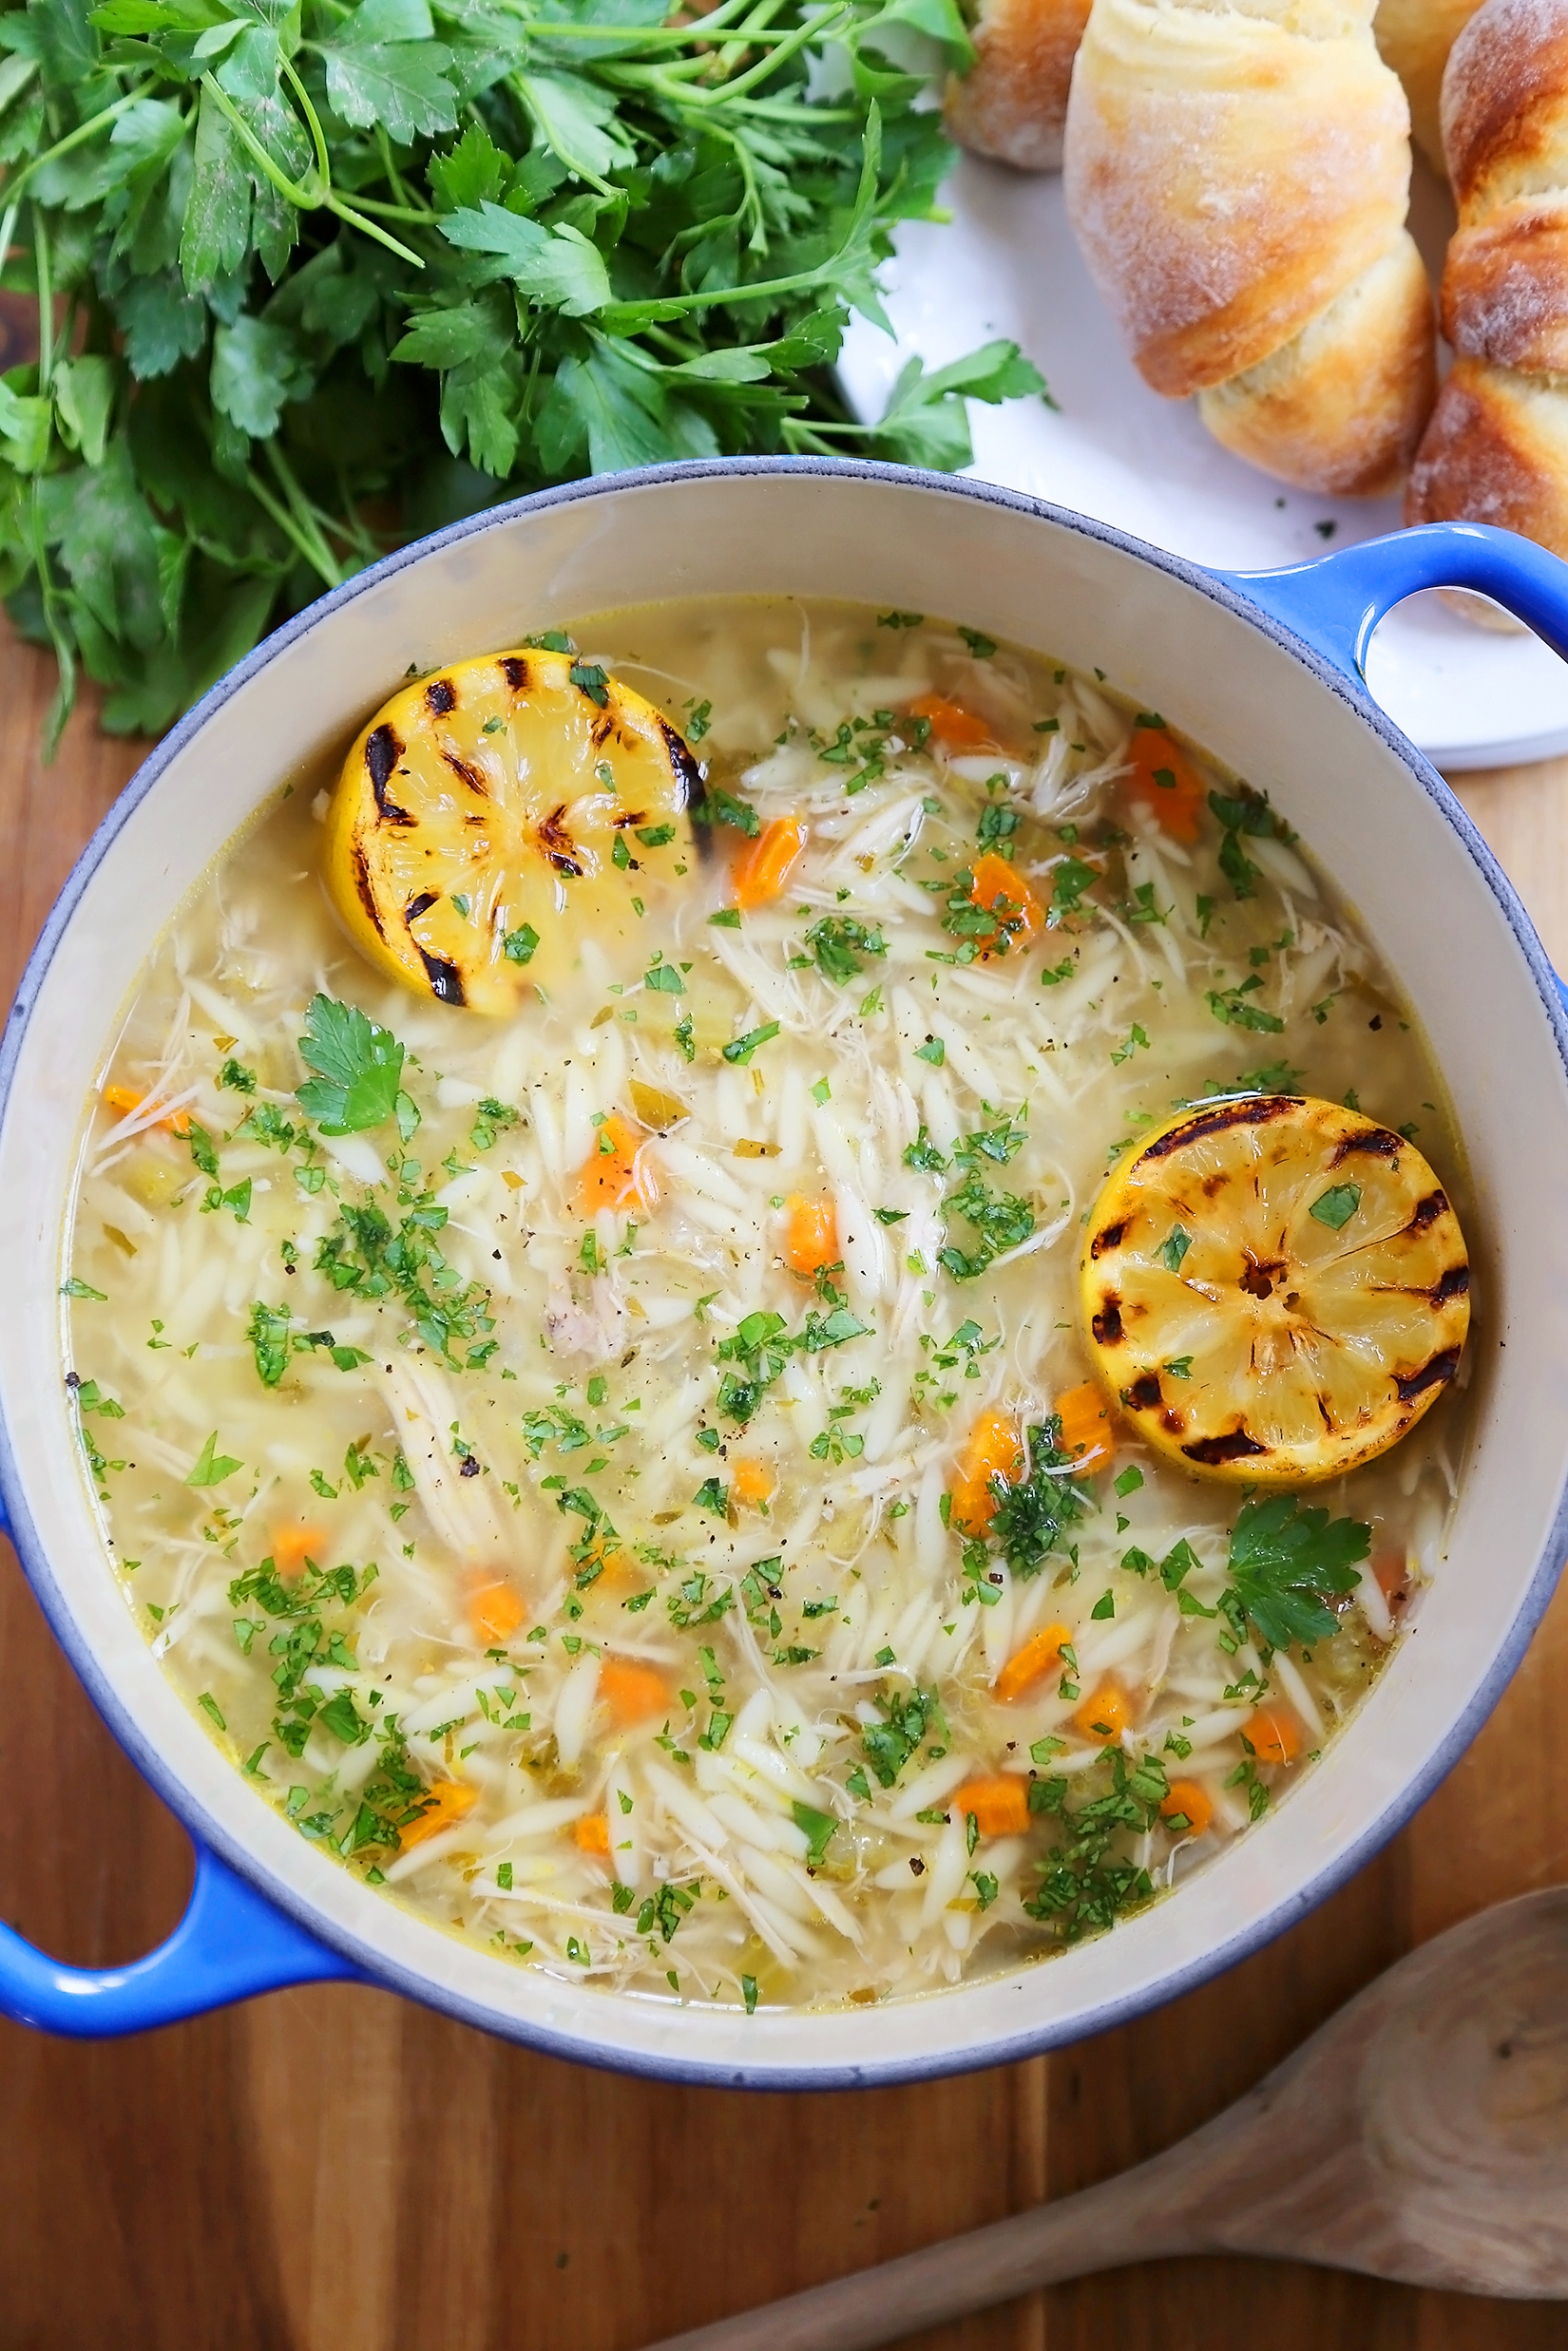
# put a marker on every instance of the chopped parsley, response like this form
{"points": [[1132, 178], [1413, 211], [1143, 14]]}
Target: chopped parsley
{"points": [[1245, 815], [839, 942], [1336, 1206]]}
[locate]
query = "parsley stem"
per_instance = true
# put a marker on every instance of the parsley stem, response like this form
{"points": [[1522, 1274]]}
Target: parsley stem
{"points": [[65, 692], [663, 78], [706, 29], [389, 166], [306, 542], [45, 306], [367, 228], [83, 131], [304, 195], [630, 317], [318, 137], [420, 214]]}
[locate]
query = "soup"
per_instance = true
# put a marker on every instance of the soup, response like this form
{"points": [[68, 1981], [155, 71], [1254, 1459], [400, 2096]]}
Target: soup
{"points": [[631, 1471]]}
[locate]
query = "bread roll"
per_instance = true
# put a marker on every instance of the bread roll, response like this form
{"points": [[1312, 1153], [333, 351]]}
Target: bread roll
{"points": [[1497, 446], [1012, 104], [1339, 409], [1414, 37], [1238, 179]]}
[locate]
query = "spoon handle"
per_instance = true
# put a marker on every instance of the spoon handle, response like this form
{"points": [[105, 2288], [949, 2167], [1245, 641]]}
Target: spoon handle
{"points": [[1131, 2218]]}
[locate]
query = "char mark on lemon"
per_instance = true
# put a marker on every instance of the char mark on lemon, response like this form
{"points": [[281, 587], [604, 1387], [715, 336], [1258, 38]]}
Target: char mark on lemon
{"points": [[445, 980], [468, 775], [515, 672], [1250, 1110], [383, 750], [366, 895], [1431, 1375], [1379, 1144], [687, 771], [1108, 1323], [1111, 1238], [1144, 1394], [559, 848], [441, 696], [1236, 1445], [1427, 1212]]}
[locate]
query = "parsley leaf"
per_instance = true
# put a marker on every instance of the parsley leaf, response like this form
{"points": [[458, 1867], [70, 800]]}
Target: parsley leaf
{"points": [[1287, 1562], [359, 1067]]}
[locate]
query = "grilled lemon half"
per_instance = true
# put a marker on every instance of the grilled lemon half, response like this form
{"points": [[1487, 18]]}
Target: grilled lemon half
{"points": [[491, 816], [1274, 1288]]}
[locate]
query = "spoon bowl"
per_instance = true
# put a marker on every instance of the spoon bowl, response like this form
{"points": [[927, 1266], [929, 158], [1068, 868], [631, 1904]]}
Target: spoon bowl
{"points": [[1421, 2135]]}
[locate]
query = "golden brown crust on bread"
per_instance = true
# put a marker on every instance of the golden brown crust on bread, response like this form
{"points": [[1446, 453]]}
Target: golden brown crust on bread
{"points": [[1503, 103], [1414, 37], [1495, 451], [1012, 104], [1341, 409], [1497, 448], [1229, 173], [1505, 287]]}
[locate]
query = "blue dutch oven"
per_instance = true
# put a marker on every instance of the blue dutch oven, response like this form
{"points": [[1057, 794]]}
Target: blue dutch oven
{"points": [[1267, 672]]}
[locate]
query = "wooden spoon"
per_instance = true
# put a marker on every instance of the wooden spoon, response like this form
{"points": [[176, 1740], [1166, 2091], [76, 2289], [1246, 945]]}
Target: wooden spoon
{"points": [[1421, 2134]]}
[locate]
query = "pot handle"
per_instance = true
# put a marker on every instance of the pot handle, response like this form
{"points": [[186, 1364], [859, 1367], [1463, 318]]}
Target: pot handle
{"points": [[231, 1943], [1336, 601]]}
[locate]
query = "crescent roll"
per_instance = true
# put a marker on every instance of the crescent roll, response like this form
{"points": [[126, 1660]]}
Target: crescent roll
{"points": [[1414, 37], [1238, 178], [1012, 104], [1497, 446]]}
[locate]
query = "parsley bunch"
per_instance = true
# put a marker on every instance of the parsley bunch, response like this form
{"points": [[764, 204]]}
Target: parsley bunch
{"points": [[314, 278]]}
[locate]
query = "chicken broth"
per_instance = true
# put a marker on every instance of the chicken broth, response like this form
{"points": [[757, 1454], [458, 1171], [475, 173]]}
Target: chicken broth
{"points": [[625, 1473]]}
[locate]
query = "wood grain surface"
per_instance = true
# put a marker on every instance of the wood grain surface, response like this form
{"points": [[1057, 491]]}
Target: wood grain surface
{"points": [[334, 2170]]}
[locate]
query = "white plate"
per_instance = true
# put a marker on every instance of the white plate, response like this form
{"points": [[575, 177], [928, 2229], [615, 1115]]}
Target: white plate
{"points": [[1007, 264]]}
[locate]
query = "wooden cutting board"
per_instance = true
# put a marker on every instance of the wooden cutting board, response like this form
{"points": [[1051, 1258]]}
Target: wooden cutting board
{"points": [[335, 2170]]}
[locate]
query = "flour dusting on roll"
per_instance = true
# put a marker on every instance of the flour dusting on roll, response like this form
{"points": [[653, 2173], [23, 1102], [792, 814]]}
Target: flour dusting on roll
{"points": [[1239, 185], [1497, 447], [1012, 104]]}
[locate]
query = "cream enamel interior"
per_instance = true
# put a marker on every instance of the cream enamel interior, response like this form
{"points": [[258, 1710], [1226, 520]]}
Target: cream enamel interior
{"points": [[1430, 910]]}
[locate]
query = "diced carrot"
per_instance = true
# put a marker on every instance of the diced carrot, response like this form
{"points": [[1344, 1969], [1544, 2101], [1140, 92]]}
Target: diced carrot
{"points": [[765, 864], [632, 1692], [999, 1803], [612, 1567], [1187, 1807], [591, 1833], [125, 1099], [811, 1235], [1104, 1714], [752, 1481], [1002, 891], [1165, 782], [954, 727], [617, 1172], [1040, 1654], [292, 1546], [1085, 1419], [1274, 1734], [449, 1800], [992, 1450], [494, 1611]]}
